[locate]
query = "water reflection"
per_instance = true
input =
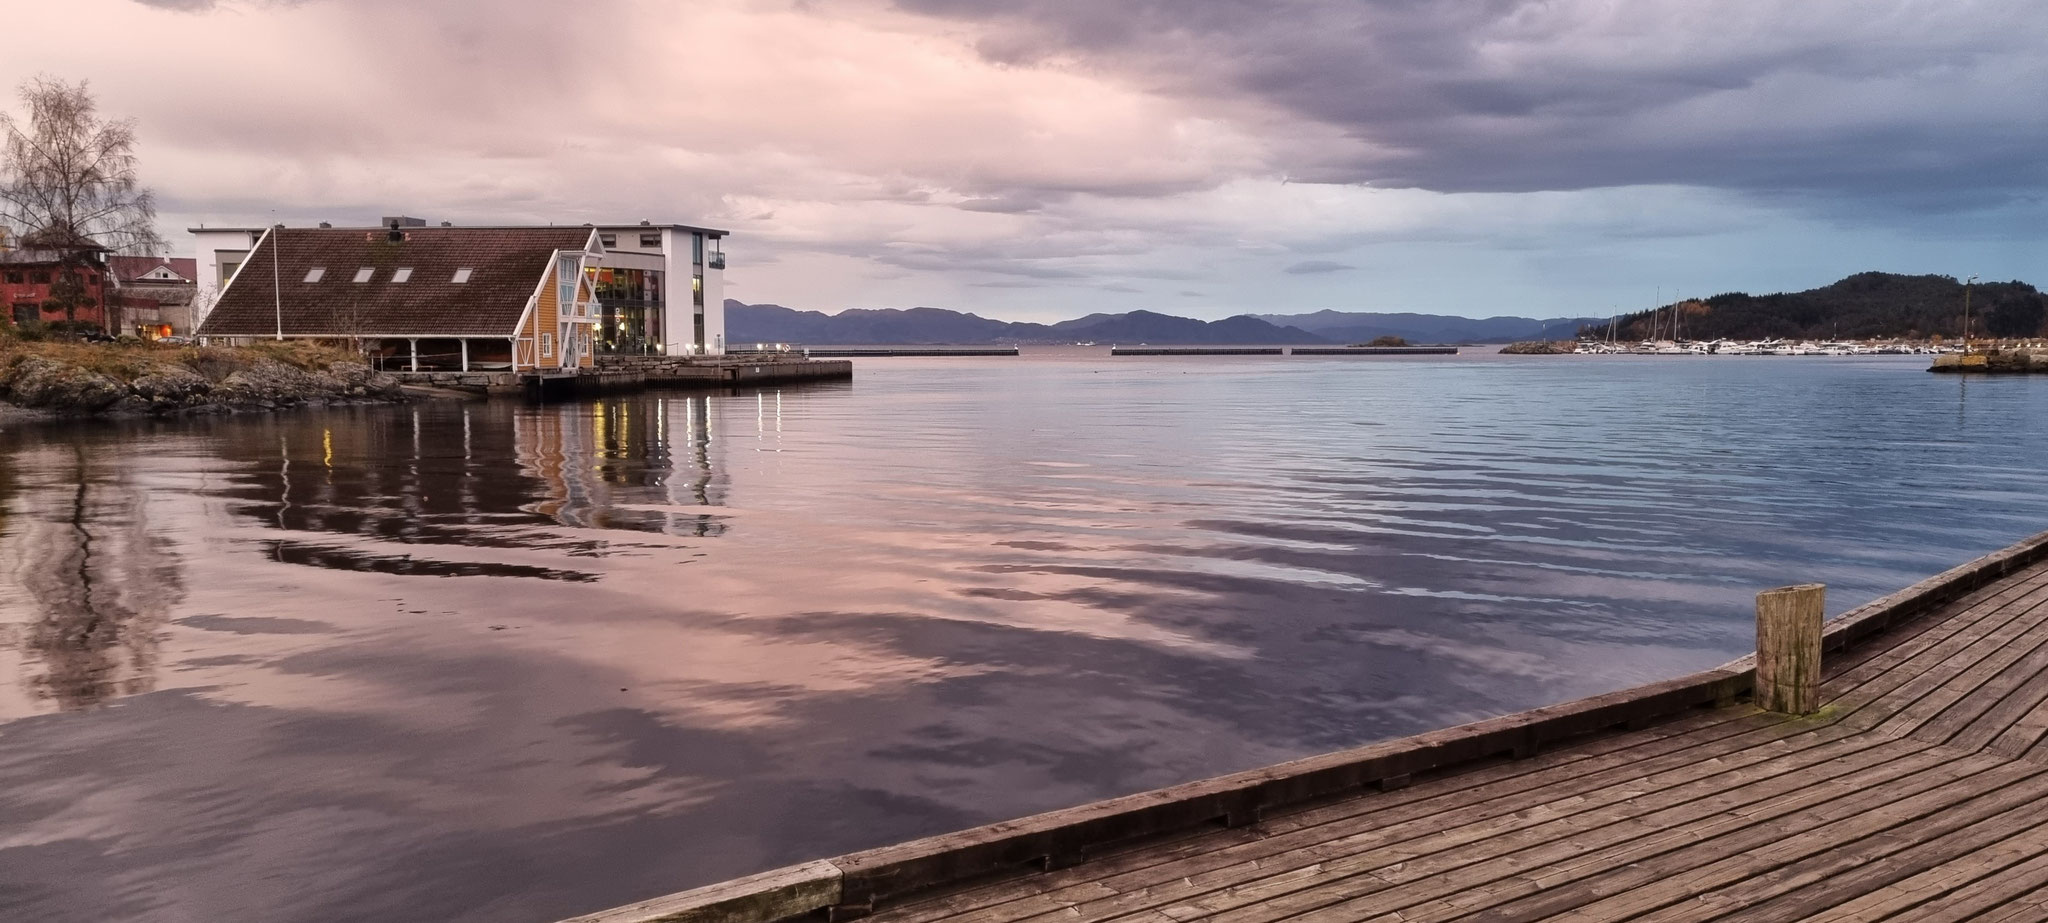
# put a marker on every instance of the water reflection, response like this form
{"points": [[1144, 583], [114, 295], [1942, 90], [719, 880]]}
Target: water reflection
{"points": [[98, 578]]}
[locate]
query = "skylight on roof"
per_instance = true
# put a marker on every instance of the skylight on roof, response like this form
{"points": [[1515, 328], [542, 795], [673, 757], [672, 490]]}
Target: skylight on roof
{"points": [[401, 274], [462, 275], [364, 274], [314, 274]]}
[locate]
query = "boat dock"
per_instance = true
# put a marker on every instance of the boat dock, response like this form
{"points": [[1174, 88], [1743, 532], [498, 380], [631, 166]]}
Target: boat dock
{"points": [[1901, 774]]}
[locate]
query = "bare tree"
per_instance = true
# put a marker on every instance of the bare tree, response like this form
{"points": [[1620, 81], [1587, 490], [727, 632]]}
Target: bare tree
{"points": [[68, 183]]}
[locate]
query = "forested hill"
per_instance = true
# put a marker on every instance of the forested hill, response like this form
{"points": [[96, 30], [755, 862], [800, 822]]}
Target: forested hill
{"points": [[1870, 305]]}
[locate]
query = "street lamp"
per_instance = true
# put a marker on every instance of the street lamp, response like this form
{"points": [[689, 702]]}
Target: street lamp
{"points": [[1966, 314]]}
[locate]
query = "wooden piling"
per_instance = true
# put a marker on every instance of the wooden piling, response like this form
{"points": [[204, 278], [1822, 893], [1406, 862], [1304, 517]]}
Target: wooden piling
{"points": [[1788, 623]]}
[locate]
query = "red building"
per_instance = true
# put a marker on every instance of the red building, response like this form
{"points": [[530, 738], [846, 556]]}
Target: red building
{"points": [[38, 278]]}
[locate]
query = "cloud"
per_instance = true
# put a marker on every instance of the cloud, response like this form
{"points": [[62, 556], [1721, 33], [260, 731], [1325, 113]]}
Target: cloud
{"points": [[1830, 97], [981, 155], [1307, 267]]}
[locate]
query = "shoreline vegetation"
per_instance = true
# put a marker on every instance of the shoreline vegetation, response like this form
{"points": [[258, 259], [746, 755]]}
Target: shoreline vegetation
{"points": [[56, 380]]}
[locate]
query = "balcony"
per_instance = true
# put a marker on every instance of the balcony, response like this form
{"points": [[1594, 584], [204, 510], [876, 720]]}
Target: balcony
{"points": [[715, 260]]}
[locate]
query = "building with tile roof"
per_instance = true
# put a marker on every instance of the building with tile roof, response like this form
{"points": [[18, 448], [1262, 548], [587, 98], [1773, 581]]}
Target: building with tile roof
{"points": [[420, 298], [659, 287]]}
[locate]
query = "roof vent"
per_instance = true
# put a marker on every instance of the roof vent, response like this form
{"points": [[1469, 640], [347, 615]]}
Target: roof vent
{"points": [[447, 224], [396, 234], [646, 223], [325, 224]]}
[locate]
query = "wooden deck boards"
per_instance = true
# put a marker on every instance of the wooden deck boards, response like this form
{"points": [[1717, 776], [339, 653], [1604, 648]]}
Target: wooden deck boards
{"points": [[1920, 792]]}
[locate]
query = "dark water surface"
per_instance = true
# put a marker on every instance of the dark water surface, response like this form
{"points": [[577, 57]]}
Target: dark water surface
{"points": [[506, 662]]}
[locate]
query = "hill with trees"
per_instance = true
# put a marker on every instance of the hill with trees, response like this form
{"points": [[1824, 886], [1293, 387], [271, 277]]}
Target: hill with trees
{"points": [[1869, 305]]}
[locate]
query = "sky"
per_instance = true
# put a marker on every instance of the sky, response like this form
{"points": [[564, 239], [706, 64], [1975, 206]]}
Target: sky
{"points": [[1044, 159]]}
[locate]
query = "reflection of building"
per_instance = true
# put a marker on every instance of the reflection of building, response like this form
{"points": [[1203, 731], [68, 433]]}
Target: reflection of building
{"points": [[98, 582], [660, 288], [595, 460], [517, 299]]}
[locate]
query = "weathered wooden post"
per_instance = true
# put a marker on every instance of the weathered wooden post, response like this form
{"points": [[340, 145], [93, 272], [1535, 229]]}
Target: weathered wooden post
{"points": [[1788, 648]]}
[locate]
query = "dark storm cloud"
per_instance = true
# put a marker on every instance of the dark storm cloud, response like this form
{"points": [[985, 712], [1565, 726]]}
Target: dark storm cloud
{"points": [[1922, 105]]}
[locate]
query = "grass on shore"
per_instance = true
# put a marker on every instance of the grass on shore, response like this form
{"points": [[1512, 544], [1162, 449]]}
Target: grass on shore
{"points": [[127, 361]]}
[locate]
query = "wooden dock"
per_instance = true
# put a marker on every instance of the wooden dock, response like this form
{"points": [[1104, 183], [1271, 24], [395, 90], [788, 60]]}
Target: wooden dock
{"points": [[1918, 791]]}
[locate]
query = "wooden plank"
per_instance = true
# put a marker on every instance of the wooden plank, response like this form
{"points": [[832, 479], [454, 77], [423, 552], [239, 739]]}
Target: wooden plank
{"points": [[1881, 674], [773, 895], [1378, 882], [1997, 703], [1640, 887], [1939, 854], [1937, 898], [1907, 627], [1967, 677], [1926, 670], [1410, 806]]}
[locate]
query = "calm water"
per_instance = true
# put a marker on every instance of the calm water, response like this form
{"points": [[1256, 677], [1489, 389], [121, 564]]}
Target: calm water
{"points": [[504, 662]]}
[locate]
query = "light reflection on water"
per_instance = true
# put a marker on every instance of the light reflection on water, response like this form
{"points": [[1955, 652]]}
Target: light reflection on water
{"points": [[503, 662]]}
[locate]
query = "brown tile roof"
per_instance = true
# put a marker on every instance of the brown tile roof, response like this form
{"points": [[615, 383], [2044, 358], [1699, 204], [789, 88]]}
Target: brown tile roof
{"points": [[506, 264]]}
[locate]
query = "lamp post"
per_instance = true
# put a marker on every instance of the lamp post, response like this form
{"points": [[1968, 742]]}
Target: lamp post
{"points": [[1966, 313]]}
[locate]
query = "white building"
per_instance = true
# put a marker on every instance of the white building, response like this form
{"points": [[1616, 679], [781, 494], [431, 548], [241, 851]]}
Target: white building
{"points": [[661, 286]]}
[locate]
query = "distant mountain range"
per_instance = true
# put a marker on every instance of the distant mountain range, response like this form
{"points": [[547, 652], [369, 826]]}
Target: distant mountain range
{"points": [[772, 323], [1863, 306]]}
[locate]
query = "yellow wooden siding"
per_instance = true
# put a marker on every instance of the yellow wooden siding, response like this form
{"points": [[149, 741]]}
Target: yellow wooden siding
{"points": [[546, 319]]}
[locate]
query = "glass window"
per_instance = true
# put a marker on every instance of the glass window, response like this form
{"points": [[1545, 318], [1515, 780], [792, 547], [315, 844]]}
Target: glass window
{"points": [[609, 240], [227, 270], [650, 240], [316, 274], [547, 344], [14, 278], [39, 278], [566, 272], [462, 275], [696, 248], [364, 274], [402, 274]]}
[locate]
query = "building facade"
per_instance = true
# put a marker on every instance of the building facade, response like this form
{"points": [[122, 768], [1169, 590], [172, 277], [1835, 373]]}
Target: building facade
{"points": [[46, 284], [416, 298], [152, 295], [660, 287]]}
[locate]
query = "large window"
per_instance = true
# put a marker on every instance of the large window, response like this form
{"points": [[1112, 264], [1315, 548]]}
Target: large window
{"points": [[697, 249], [567, 270], [629, 310]]}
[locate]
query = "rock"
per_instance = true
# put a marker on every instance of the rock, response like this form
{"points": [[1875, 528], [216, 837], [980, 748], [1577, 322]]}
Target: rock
{"points": [[1539, 348], [128, 405], [51, 385], [168, 387], [267, 383]]}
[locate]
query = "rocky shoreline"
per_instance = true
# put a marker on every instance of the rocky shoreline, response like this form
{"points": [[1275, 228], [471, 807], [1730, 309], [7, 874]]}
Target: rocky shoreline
{"points": [[77, 381]]}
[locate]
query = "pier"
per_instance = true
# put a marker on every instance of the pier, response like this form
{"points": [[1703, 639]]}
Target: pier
{"points": [[633, 373], [1891, 764]]}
